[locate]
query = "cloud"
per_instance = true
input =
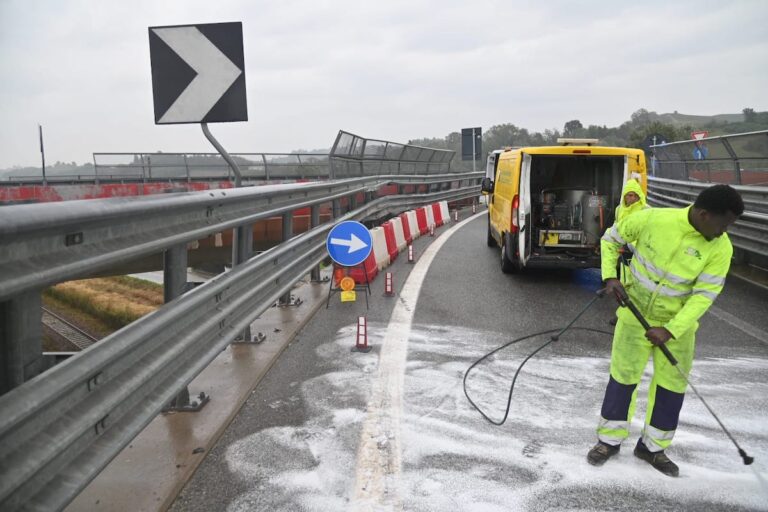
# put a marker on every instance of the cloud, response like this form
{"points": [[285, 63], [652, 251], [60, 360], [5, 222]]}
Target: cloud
{"points": [[394, 70]]}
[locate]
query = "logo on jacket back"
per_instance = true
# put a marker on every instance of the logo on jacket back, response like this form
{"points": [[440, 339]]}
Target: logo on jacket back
{"points": [[693, 252]]}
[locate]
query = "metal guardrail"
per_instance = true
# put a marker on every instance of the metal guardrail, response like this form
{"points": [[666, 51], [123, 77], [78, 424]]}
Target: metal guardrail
{"points": [[186, 167], [749, 233], [58, 430], [208, 166], [352, 155], [44, 244], [740, 159]]}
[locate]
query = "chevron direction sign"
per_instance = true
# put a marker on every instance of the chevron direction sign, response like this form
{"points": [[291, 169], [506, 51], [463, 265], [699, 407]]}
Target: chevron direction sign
{"points": [[198, 73]]}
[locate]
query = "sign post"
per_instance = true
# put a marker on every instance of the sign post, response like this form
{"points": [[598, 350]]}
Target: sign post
{"points": [[471, 145], [42, 152], [198, 76]]}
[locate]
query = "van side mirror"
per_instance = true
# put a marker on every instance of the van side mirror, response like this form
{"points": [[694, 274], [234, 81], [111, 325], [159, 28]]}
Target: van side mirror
{"points": [[486, 186]]}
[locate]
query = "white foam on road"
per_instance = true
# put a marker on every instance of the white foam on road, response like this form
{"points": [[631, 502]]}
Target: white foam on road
{"points": [[453, 460]]}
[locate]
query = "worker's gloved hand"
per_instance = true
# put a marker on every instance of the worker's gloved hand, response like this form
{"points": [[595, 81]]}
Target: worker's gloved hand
{"points": [[658, 335], [614, 288]]}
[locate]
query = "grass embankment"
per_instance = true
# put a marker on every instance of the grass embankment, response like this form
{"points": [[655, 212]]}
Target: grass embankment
{"points": [[105, 304]]}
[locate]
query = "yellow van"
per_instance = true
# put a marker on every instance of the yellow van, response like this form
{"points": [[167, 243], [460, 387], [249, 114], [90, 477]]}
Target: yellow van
{"points": [[548, 206]]}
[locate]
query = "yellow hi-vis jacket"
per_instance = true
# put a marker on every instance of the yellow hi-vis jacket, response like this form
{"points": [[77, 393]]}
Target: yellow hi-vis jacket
{"points": [[676, 273], [623, 211]]}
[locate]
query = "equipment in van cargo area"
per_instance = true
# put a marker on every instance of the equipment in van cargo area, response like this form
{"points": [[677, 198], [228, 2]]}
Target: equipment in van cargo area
{"points": [[571, 218], [570, 202], [549, 206]]}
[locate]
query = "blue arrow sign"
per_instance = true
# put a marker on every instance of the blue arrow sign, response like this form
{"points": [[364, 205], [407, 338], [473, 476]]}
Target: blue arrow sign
{"points": [[349, 243]]}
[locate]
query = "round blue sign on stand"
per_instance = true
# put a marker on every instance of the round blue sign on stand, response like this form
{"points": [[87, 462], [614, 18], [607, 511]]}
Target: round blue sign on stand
{"points": [[349, 243]]}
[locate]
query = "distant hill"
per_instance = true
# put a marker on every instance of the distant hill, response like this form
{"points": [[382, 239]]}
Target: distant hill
{"points": [[694, 120]]}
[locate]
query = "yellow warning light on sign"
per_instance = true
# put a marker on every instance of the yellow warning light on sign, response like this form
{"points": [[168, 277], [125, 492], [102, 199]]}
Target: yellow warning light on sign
{"points": [[348, 296], [347, 283]]}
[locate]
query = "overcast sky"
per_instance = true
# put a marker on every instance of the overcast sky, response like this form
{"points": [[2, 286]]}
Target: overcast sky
{"points": [[394, 70]]}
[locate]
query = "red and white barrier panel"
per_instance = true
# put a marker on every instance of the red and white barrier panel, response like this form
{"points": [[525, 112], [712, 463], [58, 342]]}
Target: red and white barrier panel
{"points": [[437, 214], [421, 220], [397, 224], [406, 227], [430, 216], [413, 224], [380, 247], [389, 236], [444, 211], [358, 274]]}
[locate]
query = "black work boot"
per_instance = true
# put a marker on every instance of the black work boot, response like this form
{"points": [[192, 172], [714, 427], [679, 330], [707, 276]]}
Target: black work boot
{"points": [[659, 460], [601, 452]]}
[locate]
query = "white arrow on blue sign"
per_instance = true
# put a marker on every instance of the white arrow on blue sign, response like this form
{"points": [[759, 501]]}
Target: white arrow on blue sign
{"points": [[349, 243]]}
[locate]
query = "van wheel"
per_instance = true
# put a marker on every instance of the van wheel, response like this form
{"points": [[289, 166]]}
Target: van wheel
{"points": [[490, 241], [507, 265]]}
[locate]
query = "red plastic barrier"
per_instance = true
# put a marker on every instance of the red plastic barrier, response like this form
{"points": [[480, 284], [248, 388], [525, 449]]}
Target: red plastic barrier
{"points": [[389, 236], [406, 229], [437, 214], [421, 220], [358, 274]]}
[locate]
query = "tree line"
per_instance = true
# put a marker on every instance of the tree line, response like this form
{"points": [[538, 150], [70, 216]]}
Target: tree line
{"points": [[637, 132]]}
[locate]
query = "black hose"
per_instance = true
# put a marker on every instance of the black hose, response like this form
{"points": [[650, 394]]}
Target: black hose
{"points": [[514, 379]]}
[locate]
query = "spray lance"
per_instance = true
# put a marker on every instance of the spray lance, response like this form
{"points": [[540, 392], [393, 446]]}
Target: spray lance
{"points": [[623, 299]]}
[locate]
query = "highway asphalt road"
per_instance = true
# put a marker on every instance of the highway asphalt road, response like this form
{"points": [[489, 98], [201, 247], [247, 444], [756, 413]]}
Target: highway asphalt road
{"points": [[330, 429]]}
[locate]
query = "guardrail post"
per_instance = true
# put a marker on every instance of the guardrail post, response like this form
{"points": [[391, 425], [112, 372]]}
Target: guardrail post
{"points": [[174, 285], [242, 250], [314, 221], [186, 166], [335, 209], [21, 334], [95, 169], [285, 300]]}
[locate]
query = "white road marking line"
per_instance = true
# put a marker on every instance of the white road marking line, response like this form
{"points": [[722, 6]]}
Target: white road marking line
{"points": [[377, 474], [740, 324]]}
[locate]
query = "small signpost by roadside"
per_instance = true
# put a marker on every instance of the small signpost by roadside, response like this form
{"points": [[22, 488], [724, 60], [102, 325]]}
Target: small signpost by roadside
{"points": [[349, 243]]}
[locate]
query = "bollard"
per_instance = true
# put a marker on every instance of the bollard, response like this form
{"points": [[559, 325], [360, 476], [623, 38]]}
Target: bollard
{"points": [[388, 288], [474, 208], [361, 343], [432, 230], [455, 215], [410, 254]]}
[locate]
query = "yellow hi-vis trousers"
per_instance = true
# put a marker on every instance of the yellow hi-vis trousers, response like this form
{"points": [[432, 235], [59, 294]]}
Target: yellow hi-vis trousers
{"points": [[629, 355]]}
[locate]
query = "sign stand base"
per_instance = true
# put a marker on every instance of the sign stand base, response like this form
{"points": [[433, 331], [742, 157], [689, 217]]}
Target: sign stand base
{"points": [[366, 288]]}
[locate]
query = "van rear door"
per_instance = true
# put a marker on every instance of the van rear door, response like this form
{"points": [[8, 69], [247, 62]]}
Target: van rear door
{"points": [[524, 210]]}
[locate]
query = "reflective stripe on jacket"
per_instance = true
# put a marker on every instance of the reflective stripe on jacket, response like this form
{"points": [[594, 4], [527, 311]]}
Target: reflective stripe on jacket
{"points": [[676, 273]]}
